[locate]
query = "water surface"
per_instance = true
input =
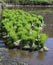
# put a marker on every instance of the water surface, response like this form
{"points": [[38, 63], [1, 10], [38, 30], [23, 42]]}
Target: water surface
{"points": [[12, 57]]}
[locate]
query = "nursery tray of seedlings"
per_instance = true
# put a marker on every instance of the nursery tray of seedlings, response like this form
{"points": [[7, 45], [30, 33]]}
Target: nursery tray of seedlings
{"points": [[22, 29]]}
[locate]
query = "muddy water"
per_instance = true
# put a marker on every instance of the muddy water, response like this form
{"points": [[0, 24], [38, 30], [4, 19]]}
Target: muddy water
{"points": [[13, 57], [48, 28]]}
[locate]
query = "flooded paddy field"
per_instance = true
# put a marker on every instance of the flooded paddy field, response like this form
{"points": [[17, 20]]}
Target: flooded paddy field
{"points": [[21, 57]]}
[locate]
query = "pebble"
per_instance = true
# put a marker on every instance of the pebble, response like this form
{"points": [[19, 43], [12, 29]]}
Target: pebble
{"points": [[45, 49]]}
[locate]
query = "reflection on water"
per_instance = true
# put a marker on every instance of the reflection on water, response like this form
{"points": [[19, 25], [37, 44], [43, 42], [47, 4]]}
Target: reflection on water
{"points": [[20, 53], [31, 58], [41, 55], [26, 54], [12, 53]]}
